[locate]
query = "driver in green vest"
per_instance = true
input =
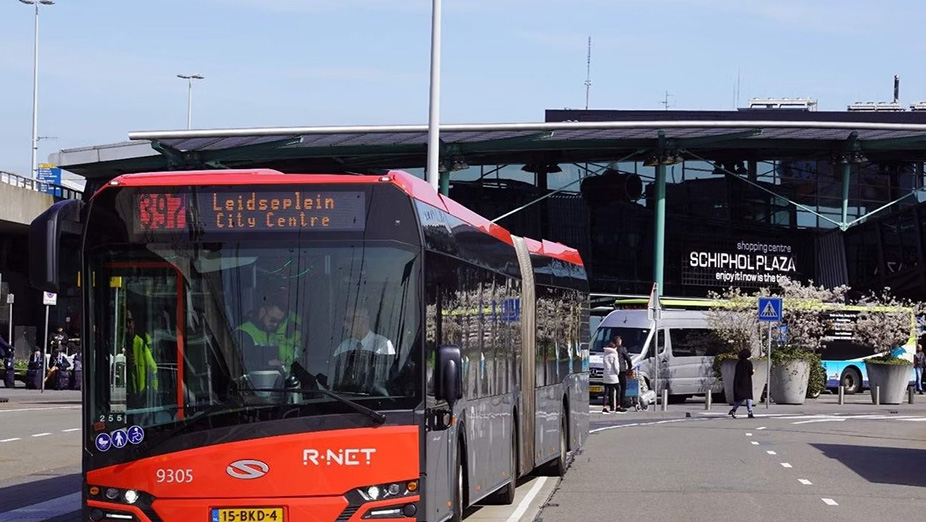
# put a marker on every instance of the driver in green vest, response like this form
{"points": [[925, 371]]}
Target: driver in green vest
{"points": [[272, 325], [140, 364]]}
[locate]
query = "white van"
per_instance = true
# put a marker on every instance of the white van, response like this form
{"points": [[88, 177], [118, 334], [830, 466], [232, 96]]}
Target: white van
{"points": [[687, 346]]}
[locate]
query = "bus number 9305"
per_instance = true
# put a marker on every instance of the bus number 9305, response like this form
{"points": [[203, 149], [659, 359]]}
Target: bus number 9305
{"points": [[174, 476]]}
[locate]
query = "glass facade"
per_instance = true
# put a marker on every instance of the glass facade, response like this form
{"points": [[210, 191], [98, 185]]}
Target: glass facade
{"points": [[745, 229]]}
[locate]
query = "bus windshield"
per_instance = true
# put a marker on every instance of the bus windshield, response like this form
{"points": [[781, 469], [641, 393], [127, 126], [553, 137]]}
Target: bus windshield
{"points": [[205, 329]]}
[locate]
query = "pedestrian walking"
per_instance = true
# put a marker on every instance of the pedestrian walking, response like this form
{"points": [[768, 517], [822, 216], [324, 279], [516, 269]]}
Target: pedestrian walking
{"points": [[919, 364], [742, 383]]}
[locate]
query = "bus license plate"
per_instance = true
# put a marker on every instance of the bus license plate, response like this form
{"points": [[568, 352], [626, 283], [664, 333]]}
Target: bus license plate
{"points": [[596, 389], [247, 514]]}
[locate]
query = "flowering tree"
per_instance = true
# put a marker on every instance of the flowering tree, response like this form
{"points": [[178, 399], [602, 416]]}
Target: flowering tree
{"points": [[886, 322], [735, 321], [804, 314]]}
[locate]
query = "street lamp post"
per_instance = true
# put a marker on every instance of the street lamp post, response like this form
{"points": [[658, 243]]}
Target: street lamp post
{"points": [[189, 95], [35, 84]]}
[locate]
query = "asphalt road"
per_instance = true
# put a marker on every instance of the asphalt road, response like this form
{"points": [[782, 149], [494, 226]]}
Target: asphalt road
{"points": [[39, 456], [820, 462], [844, 462]]}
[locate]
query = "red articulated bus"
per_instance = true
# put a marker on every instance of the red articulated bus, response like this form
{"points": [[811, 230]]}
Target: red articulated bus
{"points": [[261, 346]]}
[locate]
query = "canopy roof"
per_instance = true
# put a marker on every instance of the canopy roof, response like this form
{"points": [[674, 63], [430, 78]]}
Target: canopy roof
{"points": [[634, 135]]}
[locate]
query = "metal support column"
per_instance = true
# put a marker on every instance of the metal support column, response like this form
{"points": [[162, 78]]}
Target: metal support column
{"points": [[846, 176], [659, 234], [445, 183]]}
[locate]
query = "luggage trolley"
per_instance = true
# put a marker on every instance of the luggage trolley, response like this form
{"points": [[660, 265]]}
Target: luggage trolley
{"points": [[637, 393]]}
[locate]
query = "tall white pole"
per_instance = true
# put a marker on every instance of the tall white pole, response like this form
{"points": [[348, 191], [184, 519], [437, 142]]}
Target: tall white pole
{"points": [[768, 370], [434, 105], [45, 348], [35, 96], [189, 103]]}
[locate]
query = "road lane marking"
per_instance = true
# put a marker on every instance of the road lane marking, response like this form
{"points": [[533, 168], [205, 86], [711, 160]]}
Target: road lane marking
{"points": [[755, 443], [72, 429], [605, 428], [45, 510], [749, 434], [10, 440], [757, 415], [920, 419], [785, 465], [761, 428], [805, 482], [41, 434], [771, 452], [829, 502], [42, 409], [831, 419], [525, 502]]}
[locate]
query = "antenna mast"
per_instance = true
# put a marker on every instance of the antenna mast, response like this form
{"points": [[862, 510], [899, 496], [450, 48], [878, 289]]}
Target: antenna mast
{"points": [[665, 101], [588, 72]]}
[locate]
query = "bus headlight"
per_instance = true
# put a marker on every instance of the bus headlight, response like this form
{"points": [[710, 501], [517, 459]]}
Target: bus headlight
{"points": [[112, 493], [131, 496], [387, 491], [373, 493]]}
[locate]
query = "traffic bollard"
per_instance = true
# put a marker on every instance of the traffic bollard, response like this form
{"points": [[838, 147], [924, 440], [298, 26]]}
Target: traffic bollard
{"points": [[877, 396], [842, 395], [707, 401], [665, 400], [910, 394]]}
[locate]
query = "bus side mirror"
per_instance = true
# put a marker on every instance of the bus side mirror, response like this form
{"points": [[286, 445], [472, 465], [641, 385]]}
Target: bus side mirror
{"points": [[45, 239], [450, 374]]}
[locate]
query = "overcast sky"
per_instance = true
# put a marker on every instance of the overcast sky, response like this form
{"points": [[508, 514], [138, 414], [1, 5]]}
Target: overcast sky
{"points": [[108, 67]]}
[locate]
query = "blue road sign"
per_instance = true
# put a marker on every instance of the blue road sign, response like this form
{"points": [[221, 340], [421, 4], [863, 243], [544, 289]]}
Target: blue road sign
{"points": [[120, 439], [770, 309], [103, 442], [136, 434]]}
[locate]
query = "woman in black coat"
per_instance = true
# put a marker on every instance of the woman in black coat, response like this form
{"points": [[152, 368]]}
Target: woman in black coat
{"points": [[742, 383]]}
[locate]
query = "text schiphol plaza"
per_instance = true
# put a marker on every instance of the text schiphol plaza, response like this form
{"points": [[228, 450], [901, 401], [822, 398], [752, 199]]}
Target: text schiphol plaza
{"points": [[751, 263]]}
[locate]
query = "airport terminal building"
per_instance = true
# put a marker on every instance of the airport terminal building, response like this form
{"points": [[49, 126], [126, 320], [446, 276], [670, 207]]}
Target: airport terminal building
{"points": [[697, 200], [740, 198]]}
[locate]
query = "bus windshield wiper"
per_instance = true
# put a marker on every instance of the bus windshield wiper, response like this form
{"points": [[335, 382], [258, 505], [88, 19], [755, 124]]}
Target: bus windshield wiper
{"points": [[235, 407], [378, 417], [304, 376]]}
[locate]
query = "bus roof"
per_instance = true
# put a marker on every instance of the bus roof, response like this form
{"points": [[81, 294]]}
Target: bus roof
{"points": [[415, 187]]}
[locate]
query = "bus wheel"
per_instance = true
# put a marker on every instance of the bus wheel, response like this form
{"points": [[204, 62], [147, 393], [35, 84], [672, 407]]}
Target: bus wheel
{"points": [[458, 497], [557, 467], [851, 380]]}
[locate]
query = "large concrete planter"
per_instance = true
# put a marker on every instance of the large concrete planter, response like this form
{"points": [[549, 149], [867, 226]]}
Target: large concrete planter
{"points": [[892, 379], [728, 370], [789, 381]]}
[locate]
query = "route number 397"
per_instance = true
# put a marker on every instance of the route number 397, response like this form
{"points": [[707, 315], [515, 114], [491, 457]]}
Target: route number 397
{"points": [[175, 476]]}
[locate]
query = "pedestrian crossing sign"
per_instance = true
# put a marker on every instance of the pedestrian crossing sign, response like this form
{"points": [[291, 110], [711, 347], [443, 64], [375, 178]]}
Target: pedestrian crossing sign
{"points": [[770, 309]]}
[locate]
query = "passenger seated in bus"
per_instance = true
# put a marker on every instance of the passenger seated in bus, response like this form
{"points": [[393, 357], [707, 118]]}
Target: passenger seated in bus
{"points": [[141, 368], [270, 325], [354, 363]]}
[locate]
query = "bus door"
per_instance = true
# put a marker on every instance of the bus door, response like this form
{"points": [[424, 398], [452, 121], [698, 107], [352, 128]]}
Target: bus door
{"points": [[143, 316]]}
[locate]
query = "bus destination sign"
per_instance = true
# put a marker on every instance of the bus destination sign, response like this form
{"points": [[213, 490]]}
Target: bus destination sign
{"points": [[227, 211]]}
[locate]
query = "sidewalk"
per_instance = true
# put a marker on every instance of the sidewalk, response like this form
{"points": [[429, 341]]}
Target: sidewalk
{"points": [[21, 396], [857, 404]]}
